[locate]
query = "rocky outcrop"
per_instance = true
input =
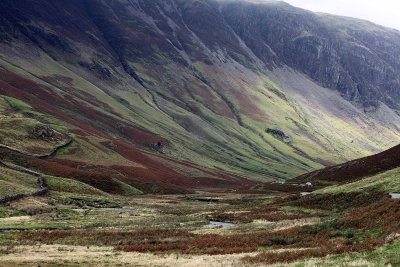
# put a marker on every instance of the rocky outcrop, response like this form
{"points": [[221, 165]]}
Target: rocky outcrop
{"points": [[279, 135], [207, 76], [358, 58], [43, 132]]}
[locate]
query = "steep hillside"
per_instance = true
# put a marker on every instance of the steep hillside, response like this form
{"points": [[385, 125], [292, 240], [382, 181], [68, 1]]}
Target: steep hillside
{"points": [[385, 181], [355, 57], [377, 168], [167, 95]]}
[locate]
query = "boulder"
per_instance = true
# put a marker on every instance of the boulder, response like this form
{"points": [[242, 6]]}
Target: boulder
{"points": [[43, 132]]}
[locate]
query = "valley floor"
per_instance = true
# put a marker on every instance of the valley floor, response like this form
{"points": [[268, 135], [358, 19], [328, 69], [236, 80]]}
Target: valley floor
{"points": [[64, 229], [62, 255]]}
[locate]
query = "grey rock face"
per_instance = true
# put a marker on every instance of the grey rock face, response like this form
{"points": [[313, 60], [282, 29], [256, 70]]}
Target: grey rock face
{"points": [[279, 135], [358, 58], [43, 132]]}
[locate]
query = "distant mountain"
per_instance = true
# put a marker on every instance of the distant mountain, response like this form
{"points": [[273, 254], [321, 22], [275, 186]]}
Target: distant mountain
{"points": [[205, 89], [358, 58]]}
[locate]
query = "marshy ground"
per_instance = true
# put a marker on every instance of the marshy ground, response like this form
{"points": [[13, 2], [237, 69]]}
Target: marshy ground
{"points": [[64, 229]]}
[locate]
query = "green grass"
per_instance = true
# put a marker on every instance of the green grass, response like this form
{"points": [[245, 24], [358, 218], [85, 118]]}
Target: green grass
{"points": [[67, 213], [209, 139], [16, 127], [388, 182], [71, 186], [6, 212], [129, 190], [88, 200], [387, 255], [18, 104], [10, 188], [301, 209], [22, 107], [7, 239], [12, 182]]}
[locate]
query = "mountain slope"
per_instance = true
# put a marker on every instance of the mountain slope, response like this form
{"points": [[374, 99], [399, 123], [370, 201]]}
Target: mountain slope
{"points": [[263, 91], [358, 58], [356, 169]]}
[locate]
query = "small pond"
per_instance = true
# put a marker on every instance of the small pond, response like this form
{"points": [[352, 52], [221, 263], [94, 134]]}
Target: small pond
{"points": [[395, 195], [216, 224], [303, 194]]}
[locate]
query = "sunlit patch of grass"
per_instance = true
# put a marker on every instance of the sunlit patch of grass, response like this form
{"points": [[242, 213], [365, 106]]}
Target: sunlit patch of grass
{"points": [[388, 182], [387, 255], [129, 190], [69, 185], [6, 212], [18, 104], [13, 182]]}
